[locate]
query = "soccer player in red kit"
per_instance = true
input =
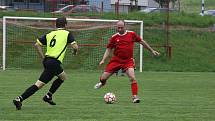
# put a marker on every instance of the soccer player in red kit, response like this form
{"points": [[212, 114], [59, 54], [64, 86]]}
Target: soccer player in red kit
{"points": [[123, 44]]}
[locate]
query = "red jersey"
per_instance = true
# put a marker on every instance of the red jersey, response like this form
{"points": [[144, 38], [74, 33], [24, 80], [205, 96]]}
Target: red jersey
{"points": [[123, 45]]}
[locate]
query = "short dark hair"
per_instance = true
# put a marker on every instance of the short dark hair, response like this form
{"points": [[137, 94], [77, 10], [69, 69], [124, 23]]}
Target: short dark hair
{"points": [[61, 22]]}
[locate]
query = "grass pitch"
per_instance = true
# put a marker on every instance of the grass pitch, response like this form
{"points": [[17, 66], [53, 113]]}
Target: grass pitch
{"points": [[165, 96]]}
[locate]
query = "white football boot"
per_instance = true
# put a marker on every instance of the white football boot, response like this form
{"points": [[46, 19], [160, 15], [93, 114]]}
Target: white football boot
{"points": [[135, 99], [98, 85]]}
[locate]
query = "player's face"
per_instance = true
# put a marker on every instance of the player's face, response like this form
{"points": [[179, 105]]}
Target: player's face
{"points": [[121, 27]]}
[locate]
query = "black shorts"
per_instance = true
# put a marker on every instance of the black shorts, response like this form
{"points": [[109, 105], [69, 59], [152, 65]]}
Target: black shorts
{"points": [[52, 67]]}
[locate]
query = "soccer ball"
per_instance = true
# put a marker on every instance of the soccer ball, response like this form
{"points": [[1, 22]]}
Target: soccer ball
{"points": [[109, 98]]}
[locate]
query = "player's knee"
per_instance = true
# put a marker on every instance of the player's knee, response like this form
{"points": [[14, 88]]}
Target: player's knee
{"points": [[62, 76], [39, 84], [132, 79]]}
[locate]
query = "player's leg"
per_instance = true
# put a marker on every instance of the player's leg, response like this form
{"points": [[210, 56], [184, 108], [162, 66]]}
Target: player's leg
{"points": [[129, 66], [102, 80], [134, 86], [58, 71], [134, 64], [27, 93], [54, 87], [45, 77], [112, 67], [57, 83]]}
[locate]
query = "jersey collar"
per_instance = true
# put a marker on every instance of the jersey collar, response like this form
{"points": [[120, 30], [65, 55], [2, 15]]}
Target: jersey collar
{"points": [[60, 28], [123, 34]]}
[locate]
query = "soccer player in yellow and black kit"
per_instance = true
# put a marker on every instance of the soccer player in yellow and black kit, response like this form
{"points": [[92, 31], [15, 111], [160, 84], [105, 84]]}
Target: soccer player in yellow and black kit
{"points": [[56, 43]]}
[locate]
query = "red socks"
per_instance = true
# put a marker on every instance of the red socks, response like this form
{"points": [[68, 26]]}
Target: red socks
{"points": [[134, 87]]}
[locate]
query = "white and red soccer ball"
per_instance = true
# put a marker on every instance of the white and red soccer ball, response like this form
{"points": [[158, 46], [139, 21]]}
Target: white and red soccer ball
{"points": [[109, 98]]}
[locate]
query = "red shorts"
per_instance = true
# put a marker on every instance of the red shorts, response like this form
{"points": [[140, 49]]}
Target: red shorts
{"points": [[116, 64]]}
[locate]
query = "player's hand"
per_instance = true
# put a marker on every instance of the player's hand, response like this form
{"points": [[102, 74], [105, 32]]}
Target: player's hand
{"points": [[101, 62], [75, 52], [155, 53]]}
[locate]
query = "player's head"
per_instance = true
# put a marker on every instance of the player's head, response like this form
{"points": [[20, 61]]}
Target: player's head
{"points": [[61, 22], [120, 26]]}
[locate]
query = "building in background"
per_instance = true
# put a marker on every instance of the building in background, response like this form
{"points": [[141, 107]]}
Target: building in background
{"points": [[152, 3], [6, 2], [105, 5], [53, 5], [38, 5], [126, 6]]}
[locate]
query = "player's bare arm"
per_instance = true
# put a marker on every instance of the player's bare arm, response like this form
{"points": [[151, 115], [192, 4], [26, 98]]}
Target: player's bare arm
{"points": [[38, 47], [74, 46], [106, 54], [146, 45]]}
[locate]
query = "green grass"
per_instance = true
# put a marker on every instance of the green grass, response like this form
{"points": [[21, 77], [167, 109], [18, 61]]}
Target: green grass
{"points": [[190, 51], [166, 96]]}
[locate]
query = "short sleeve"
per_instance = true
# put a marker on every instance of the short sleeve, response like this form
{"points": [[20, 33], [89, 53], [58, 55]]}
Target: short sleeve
{"points": [[137, 38], [70, 38], [42, 40], [111, 43]]}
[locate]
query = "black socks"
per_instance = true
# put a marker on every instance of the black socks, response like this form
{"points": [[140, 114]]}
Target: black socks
{"points": [[55, 85], [28, 92]]}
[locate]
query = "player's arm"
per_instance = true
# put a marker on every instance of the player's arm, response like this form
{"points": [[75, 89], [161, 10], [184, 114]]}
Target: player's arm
{"points": [[74, 46], [39, 50], [38, 45], [105, 56], [137, 38], [110, 46], [72, 43], [147, 46]]}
